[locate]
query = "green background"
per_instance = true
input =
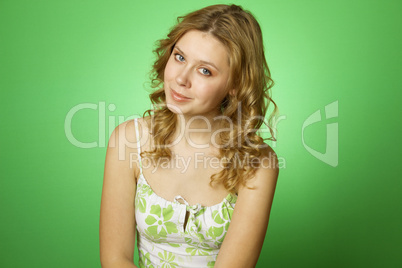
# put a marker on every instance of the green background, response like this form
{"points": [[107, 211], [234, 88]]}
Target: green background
{"points": [[55, 55]]}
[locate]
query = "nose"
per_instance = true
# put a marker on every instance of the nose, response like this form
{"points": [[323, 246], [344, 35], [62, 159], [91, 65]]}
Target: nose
{"points": [[183, 77]]}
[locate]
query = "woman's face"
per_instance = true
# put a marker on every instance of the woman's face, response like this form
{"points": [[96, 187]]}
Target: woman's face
{"points": [[196, 75]]}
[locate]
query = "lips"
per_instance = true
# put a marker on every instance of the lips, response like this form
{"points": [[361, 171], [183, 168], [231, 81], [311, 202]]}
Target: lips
{"points": [[178, 97]]}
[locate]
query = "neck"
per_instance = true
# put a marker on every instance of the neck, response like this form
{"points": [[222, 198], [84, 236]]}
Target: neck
{"points": [[196, 132]]}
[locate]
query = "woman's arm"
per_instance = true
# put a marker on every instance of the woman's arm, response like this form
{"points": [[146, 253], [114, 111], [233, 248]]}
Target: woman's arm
{"points": [[117, 219], [244, 240]]}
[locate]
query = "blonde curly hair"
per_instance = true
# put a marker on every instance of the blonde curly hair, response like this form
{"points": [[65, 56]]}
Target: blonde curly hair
{"points": [[240, 33]]}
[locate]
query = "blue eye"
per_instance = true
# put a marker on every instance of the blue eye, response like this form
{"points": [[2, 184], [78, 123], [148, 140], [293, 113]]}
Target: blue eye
{"points": [[179, 57], [205, 71]]}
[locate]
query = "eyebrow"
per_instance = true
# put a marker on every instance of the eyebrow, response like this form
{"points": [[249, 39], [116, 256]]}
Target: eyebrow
{"points": [[202, 61]]}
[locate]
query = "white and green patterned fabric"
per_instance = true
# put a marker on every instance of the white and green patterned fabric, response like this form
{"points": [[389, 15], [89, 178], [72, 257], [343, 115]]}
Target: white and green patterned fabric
{"points": [[162, 238]]}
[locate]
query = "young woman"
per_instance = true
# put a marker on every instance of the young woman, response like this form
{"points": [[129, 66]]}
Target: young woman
{"points": [[192, 178]]}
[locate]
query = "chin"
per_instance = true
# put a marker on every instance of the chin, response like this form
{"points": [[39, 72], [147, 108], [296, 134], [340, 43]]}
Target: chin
{"points": [[173, 107]]}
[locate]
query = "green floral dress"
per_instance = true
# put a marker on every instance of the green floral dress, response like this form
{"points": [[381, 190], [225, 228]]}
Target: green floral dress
{"points": [[163, 240]]}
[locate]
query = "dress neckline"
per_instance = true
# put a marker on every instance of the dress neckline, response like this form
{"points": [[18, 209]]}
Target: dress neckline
{"points": [[231, 198]]}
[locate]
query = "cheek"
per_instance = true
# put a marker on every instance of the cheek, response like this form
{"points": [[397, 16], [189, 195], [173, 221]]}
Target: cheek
{"points": [[212, 92]]}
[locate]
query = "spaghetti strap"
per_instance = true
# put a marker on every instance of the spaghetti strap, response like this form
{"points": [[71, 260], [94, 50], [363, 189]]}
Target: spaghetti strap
{"points": [[137, 132]]}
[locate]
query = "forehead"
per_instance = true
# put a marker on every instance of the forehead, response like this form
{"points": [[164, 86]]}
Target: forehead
{"points": [[202, 46]]}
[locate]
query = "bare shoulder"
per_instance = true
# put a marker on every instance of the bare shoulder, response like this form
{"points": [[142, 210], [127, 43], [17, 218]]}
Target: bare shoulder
{"points": [[266, 174], [123, 133], [242, 244], [126, 133], [123, 143]]}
